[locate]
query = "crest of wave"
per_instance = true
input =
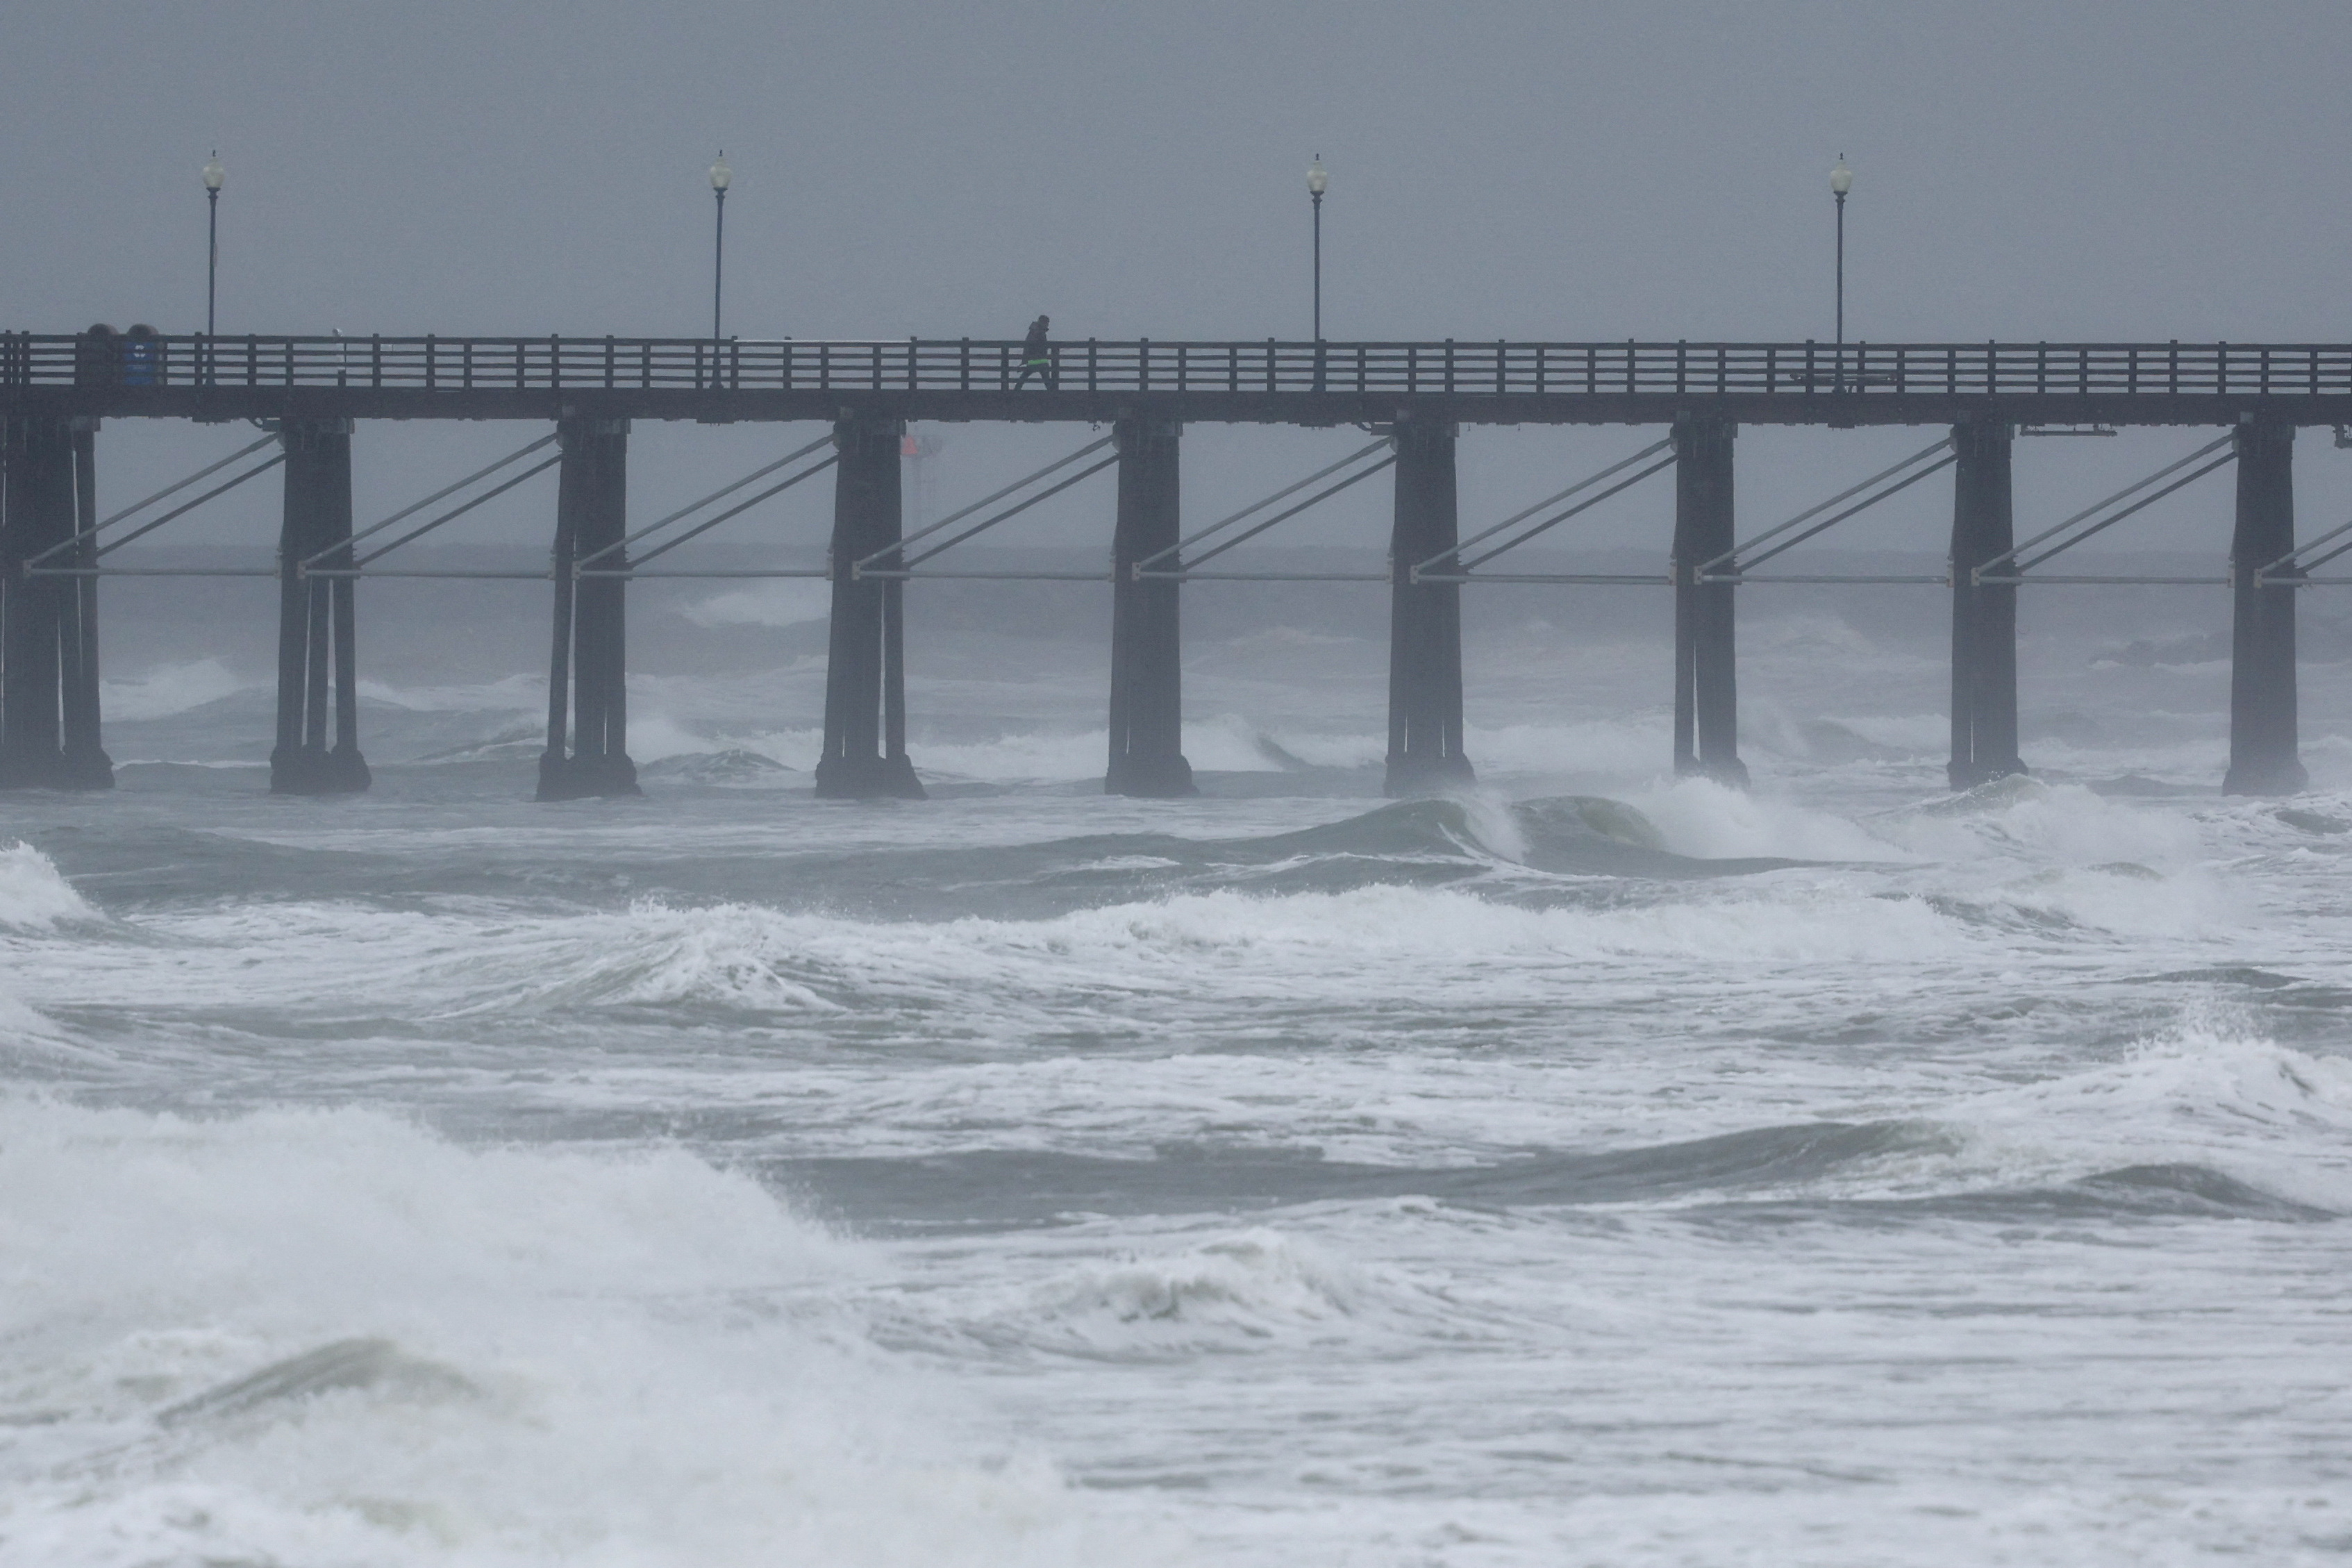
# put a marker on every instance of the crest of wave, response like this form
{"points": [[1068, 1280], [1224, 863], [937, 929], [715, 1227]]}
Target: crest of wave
{"points": [[169, 688], [33, 895], [1233, 1290], [1224, 944], [2207, 1094], [333, 1338]]}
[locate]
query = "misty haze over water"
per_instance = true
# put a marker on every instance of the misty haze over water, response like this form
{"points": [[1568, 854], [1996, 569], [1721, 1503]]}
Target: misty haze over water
{"points": [[1597, 1166]]}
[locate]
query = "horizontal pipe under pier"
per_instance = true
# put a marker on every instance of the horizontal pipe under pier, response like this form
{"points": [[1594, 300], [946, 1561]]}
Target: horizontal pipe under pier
{"points": [[2085, 579], [990, 576], [747, 572], [1266, 578], [1939, 580], [357, 572], [1609, 579], [154, 572]]}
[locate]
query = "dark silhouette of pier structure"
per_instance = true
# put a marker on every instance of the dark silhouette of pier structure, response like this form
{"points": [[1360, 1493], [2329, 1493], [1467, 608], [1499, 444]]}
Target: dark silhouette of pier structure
{"points": [[309, 395]]}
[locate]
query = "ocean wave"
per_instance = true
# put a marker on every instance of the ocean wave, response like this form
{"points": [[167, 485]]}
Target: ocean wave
{"points": [[169, 688], [1251, 1285], [294, 1337], [33, 895], [1374, 945]]}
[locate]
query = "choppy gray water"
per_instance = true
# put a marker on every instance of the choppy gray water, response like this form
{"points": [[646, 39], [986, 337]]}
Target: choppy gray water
{"points": [[1602, 1169]]}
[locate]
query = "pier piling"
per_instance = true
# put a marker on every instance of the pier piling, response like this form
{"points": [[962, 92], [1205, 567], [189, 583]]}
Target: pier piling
{"points": [[48, 729], [866, 675], [1984, 614], [2264, 749], [1706, 690], [1147, 678], [589, 663], [1425, 753], [87, 766], [318, 646]]}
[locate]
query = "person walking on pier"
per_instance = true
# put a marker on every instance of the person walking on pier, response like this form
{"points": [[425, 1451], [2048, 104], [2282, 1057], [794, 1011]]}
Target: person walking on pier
{"points": [[1038, 357]]}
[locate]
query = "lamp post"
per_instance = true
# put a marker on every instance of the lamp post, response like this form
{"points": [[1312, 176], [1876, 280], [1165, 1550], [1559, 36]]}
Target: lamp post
{"points": [[213, 175], [1319, 180], [1841, 181], [721, 176]]}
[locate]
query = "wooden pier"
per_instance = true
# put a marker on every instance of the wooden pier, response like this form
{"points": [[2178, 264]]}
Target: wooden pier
{"points": [[312, 395]]}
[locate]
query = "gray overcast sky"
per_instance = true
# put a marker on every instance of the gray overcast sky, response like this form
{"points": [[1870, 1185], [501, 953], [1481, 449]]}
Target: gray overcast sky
{"points": [[2140, 170]]}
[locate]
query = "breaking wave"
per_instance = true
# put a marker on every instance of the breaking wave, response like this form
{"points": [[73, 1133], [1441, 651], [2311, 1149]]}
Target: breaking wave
{"points": [[326, 1338]]}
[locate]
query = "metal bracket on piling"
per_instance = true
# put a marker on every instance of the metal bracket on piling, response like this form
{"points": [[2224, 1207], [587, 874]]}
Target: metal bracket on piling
{"points": [[1419, 571], [1141, 569], [308, 566], [2019, 568], [1707, 572], [581, 568], [33, 567], [864, 566]]}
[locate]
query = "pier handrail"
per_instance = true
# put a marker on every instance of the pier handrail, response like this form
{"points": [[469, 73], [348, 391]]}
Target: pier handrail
{"points": [[1856, 374]]}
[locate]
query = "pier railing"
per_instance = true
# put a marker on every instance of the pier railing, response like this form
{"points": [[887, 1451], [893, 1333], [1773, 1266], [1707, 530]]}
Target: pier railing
{"points": [[1460, 368]]}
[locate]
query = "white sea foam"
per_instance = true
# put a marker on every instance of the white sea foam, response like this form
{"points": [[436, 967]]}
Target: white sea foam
{"points": [[2202, 1093], [1235, 1286], [1364, 946], [331, 1338], [521, 693], [772, 602], [1701, 817], [1818, 1251], [33, 895], [169, 688]]}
